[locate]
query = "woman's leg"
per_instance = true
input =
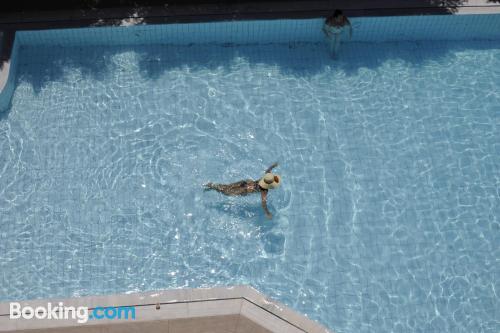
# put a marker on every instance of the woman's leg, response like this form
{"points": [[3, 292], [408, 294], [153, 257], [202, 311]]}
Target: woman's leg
{"points": [[217, 187], [237, 188], [335, 45]]}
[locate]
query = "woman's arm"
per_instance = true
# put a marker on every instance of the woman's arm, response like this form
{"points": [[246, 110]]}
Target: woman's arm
{"points": [[263, 196], [272, 167], [325, 31], [350, 27]]}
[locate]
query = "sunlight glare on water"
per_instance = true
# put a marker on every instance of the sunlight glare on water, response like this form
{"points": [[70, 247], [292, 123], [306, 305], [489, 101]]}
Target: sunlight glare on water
{"points": [[386, 220]]}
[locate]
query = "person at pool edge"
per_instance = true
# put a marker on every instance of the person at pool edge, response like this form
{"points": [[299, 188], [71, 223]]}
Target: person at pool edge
{"points": [[243, 187], [333, 27]]}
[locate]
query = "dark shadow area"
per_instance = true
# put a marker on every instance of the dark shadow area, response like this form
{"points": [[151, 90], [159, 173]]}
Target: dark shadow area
{"points": [[6, 43], [372, 56], [50, 65], [25, 5], [27, 15], [4, 114], [40, 65], [42, 15], [29, 6], [300, 59]]}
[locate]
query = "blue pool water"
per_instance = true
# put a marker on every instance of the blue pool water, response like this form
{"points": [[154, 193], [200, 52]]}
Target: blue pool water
{"points": [[387, 219]]}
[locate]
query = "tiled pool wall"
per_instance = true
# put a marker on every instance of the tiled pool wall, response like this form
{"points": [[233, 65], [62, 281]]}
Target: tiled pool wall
{"points": [[366, 29], [8, 89]]}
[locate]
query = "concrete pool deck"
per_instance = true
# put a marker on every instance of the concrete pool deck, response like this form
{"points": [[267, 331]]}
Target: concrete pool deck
{"points": [[239, 309]]}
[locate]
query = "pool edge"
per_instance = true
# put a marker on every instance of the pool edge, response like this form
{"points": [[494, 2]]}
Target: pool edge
{"points": [[174, 307]]}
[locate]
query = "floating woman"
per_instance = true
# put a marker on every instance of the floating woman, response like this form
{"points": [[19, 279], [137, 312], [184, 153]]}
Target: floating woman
{"points": [[333, 28], [243, 187]]}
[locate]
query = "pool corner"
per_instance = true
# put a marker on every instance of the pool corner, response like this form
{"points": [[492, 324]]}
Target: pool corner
{"points": [[238, 309]]}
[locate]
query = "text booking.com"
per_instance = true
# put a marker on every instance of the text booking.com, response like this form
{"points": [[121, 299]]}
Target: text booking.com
{"points": [[81, 314]]}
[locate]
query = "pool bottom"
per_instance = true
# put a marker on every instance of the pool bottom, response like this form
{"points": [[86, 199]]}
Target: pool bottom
{"points": [[386, 218]]}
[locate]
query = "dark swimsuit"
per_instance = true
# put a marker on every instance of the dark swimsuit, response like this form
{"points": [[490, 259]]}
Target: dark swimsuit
{"points": [[243, 187], [247, 183]]}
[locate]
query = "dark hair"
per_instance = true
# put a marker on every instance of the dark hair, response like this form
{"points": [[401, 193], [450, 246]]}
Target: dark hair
{"points": [[335, 14]]}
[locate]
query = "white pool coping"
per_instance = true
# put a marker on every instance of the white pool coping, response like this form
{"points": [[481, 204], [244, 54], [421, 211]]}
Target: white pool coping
{"points": [[238, 309]]}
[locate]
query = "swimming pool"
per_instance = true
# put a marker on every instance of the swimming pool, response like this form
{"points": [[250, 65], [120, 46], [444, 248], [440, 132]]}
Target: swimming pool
{"points": [[387, 218]]}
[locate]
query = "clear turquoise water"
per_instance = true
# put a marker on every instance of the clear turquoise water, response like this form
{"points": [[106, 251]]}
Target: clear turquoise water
{"points": [[387, 220]]}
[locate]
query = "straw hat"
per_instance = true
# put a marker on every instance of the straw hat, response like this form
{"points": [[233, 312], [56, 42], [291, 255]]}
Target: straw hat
{"points": [[270, 181]]}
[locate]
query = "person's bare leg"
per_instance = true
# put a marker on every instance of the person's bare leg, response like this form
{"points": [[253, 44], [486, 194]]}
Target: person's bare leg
{"points": [[335, 45], [217, 187], [237, 188]]}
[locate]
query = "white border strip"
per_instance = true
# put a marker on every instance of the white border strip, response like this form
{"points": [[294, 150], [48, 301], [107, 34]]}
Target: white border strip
{"points": [[176, 304]]}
